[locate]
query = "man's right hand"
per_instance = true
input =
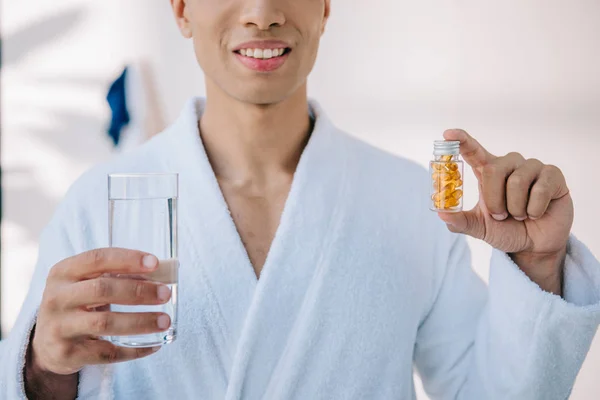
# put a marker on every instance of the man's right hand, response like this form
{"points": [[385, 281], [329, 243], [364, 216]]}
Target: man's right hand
{"points": [[74, 312]]}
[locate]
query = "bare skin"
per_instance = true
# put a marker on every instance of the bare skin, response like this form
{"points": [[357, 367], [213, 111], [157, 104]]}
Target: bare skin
{"points": [[73, 315], [524, 209], [255, 125], [255, 176]]}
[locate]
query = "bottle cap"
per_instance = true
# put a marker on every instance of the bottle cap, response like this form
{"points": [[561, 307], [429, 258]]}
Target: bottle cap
{"points": [[446, 148]]}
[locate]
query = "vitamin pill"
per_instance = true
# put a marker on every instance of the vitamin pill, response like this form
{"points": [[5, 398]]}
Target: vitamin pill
{"points": [[452, 167]]}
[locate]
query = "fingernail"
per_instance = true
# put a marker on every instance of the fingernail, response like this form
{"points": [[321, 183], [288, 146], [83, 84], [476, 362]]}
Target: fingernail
{"points": [[163, 322], [163, 292], [149, 261], [500, 217], [520, 218]]}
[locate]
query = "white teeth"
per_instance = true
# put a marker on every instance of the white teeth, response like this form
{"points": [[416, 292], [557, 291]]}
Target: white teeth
{"points": [[262, 54]]}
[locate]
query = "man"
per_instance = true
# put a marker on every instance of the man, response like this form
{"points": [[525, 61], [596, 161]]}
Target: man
{"points": [[311, 267]]}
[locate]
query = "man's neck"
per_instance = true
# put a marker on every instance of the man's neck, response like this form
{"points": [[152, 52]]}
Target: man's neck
{"points": [[249, 143]]}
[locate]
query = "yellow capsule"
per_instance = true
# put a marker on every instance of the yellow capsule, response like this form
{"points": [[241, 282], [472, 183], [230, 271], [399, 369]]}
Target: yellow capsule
{"points": [[452, 203], [438, 166], [458, 183], [439, 185], [439, 190], [444, 176], [447, 158], [457, 194], [452, 166], [438, 197], [455, 175], [446, 194], [450, 187], [444, 203]]}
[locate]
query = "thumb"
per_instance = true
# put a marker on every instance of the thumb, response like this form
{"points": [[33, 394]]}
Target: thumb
{"points": [[465, 222]]}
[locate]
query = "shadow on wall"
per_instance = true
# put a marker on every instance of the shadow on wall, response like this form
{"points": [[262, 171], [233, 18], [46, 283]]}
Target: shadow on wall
{"points": [[38, 34], [33, 204], [74, 128], [69, 134]]}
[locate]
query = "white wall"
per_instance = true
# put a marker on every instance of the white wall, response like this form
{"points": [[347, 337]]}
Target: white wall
{"points": [[517, 75]]}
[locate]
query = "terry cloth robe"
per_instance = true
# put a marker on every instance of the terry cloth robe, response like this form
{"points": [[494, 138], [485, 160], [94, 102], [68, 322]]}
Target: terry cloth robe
{"points": [[361, 285]]}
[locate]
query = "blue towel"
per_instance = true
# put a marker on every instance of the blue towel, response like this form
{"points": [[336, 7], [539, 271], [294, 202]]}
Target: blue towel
{"points": [[117, 100]]}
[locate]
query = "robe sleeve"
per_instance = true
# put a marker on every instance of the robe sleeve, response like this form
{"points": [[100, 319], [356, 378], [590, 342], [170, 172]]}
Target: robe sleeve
{"points": [[513, 340], [55, 245]]}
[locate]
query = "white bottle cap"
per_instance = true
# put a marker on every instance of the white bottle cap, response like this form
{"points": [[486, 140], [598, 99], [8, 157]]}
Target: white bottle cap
{"points": [[446, 148]]}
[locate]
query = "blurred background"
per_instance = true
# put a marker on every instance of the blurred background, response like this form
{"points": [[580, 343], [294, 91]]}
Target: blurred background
{"points": [[518, 75]]}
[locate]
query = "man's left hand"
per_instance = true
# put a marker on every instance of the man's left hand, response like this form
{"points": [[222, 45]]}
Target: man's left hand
{"points": [[524, 209]]}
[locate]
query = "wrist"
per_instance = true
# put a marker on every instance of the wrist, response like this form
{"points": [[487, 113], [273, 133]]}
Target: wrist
{"points": [[546, 270], [40, 382]]}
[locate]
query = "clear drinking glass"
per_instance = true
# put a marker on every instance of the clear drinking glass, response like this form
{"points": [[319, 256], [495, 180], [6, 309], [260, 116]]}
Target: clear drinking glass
{"points": [[143, 216]]}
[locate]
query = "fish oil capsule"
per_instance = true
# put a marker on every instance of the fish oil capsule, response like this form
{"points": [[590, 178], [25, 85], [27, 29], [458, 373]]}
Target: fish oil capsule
{"points": [[452, 202], [457, 194], [446, 171], [439, 167], [452, 167]]}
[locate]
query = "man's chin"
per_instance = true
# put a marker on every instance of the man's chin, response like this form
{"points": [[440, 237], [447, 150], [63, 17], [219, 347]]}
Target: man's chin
{"points": [[259, 93], [262, 98]]}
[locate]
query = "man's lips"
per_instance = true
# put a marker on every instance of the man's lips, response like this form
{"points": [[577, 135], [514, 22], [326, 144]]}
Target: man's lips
{"points": [[263, 44], [262, 64]]}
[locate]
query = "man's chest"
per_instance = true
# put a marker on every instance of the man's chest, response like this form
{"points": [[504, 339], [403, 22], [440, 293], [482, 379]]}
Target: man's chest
{"points": [[257, 217]]}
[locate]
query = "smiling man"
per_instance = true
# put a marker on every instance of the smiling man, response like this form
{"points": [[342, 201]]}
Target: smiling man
{"points": [[311, 267]]}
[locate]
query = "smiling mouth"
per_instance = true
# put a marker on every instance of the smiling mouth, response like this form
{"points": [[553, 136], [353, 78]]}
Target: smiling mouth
{"points": [[264, 54]]}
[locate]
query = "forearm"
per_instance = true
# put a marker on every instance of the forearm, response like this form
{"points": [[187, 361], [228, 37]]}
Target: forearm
{"points": [[41, 384]]}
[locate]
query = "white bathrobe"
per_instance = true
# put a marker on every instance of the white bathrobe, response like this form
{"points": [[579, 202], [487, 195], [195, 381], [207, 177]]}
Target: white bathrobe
{"points": [[362, 283]]}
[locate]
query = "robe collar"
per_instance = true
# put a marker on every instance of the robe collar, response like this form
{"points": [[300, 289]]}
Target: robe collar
{"points": [[255, 316]]}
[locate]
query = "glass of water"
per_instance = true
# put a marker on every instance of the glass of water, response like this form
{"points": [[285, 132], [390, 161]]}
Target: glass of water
{"points": [[143, 216]]}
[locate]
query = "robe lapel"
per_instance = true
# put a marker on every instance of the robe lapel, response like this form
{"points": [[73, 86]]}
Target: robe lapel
{"points": [[212, 253], [253, 319], [303, 237]]}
